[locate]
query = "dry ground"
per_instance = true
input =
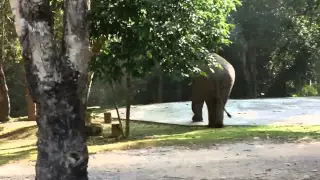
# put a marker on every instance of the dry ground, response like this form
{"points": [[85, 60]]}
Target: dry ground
{"points": [[258, 160]]}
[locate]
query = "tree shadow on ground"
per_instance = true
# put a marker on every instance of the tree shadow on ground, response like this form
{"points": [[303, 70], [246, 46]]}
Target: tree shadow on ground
{"points": [[19, 133], [13, 148], [141, 130], [179, 135], [6, 158]]}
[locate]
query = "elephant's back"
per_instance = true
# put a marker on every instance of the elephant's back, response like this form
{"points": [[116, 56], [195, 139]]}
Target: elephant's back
{"points": [[227, 69], [224, 76]]}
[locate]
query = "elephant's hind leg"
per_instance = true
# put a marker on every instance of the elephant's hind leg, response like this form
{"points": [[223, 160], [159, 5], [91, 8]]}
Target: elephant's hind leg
{"points": [[197, 110], [215, 113]]}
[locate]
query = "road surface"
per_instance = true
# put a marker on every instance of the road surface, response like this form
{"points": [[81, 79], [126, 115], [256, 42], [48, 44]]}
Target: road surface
{"points": [[276, 111]]}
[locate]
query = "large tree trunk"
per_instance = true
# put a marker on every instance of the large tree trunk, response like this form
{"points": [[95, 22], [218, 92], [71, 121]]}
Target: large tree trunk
{"points": [[4, 95], [57, 85], [30, 103]]}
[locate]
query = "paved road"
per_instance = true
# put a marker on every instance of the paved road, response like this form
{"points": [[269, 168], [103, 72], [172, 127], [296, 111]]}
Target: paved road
{"points": [[244, 112]]}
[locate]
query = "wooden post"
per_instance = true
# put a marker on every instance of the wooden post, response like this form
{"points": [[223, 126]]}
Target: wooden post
{"points": [[116, 130], [107, 118]]}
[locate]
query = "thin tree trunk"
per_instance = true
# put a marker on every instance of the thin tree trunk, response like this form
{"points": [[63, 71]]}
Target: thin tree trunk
{"points": [[179, 90], [246, 72], [4, 96], [159, 80], [4, 93], [57, 84], [91, 75], [30, 103], [129, 101], [249, 68], [116, 106], [160, 88], [253, 73]]}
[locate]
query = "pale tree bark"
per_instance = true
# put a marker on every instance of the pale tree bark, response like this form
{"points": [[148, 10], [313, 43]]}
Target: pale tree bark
{"points": [[4, 93], [4, 96], [89, 85], [88, 90], [57, 83]]}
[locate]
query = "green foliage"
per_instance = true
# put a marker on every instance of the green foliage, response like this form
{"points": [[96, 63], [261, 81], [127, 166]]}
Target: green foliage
{"points": [[141, 34], [282, 35], [298, 38], [307, 90], [12, 61], [57, 13]]}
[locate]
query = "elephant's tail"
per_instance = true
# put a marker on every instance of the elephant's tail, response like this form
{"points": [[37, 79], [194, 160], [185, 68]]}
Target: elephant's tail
{"points": [[228, 114]]}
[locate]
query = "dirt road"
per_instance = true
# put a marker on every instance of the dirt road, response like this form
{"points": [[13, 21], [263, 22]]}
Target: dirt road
{"points": [[241, 161]]}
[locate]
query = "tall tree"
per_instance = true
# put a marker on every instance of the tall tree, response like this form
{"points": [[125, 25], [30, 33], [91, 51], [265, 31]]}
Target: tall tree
{"points": [[257, 23], [294, 60], [4, 94], [57, 78], [170, 36]]}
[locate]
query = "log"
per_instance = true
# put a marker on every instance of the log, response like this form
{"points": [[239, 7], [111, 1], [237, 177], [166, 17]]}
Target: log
{"points": [[116, 130], [107, 118]]}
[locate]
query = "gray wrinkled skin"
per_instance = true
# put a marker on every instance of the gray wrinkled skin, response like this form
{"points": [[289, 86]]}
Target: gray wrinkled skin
{"points": [[214, 89]]}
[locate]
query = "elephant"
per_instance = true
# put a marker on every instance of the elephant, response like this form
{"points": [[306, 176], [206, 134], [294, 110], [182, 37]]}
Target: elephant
{"points": [[214, 89]]}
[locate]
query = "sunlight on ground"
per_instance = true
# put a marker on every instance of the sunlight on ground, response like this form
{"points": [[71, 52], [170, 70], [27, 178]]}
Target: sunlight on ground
{"points": [[18, 139]]}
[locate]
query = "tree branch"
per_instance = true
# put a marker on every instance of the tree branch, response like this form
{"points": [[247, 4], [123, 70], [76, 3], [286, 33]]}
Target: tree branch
{"points": [[76, 36], [33, 26]]}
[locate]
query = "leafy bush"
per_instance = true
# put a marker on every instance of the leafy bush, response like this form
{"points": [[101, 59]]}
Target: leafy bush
{"points": [[307, 90]]}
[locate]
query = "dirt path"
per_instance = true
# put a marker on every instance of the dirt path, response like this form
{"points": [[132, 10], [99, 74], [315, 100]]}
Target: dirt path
{"points": [[241, 161]]}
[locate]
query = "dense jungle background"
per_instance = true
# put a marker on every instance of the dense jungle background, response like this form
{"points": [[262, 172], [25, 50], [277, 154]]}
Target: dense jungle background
{"points": [[274, 48]]}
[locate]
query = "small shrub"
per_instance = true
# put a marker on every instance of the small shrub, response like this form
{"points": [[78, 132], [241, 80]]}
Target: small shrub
{"points": [[307, 90]]}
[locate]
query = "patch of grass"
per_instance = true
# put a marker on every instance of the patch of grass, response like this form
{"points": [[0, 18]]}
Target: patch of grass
{"points": [[15, 119], [19, 143], [19, 133], [168, 135], [18, 154]]}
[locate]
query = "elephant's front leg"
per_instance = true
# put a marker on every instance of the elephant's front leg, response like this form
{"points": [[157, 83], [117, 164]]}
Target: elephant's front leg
{"points": [[197, 110]]}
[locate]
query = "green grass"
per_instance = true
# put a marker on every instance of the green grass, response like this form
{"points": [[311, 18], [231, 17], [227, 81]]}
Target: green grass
{"points": [[17, 139]]}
